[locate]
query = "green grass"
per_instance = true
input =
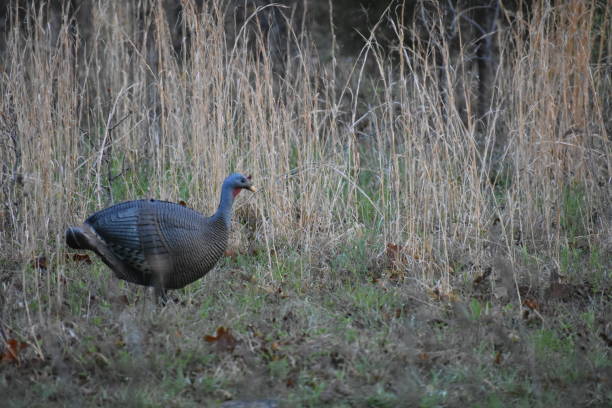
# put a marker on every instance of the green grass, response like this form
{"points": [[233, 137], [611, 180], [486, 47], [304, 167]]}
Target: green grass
{"points": [[347, 336], [307, 348], [574, 215]]}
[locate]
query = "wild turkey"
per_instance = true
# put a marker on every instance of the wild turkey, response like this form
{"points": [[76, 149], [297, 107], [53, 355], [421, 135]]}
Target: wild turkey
{"points": [[158, 243]]}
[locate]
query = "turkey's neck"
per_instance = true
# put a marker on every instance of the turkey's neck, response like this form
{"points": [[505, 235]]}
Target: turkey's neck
{"points": [[224, 212]]}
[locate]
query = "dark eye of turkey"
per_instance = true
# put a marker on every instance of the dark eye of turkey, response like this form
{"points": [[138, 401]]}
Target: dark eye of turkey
{"points": [[242, 180]]}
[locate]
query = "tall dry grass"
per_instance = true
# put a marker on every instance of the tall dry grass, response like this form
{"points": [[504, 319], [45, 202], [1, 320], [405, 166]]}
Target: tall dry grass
{"points": [[370, 148]]}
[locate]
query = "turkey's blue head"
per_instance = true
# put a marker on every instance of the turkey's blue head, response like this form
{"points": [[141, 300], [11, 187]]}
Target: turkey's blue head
{"points": [[236, 182]]}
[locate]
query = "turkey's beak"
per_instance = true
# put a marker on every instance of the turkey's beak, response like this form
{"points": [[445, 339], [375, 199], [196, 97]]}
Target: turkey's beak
{"points": [[252, 188]]}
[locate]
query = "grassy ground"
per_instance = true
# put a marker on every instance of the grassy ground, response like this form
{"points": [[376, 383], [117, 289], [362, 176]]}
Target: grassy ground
{"points": [[335, 332], [400, 251]]}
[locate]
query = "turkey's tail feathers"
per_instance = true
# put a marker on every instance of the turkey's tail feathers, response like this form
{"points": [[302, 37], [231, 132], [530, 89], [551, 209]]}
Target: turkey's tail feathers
{"points": [[76, 238]]}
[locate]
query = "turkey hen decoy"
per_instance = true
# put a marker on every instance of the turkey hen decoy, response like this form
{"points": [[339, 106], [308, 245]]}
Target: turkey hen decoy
{"points": [[158, 243]]}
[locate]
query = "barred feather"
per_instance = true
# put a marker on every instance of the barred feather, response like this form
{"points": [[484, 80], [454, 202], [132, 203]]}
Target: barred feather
{"points": [[158, 243]]}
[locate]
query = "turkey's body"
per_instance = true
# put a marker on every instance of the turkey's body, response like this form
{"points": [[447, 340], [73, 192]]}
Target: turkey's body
{"points": [[158, 243]]}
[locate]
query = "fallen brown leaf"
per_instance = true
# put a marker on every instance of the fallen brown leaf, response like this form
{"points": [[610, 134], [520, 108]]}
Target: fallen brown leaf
{"points": [[395, 256], [79, 258], [230, 253], [121, 299], [531, 304], [224, 339], [12, 349], [498, 358]]}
